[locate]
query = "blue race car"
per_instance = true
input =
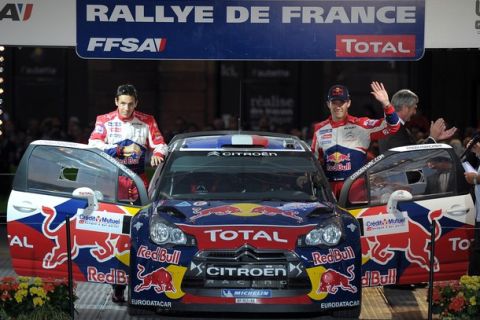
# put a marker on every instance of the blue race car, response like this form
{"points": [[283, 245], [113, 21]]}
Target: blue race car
{"points": [[244, 220]]}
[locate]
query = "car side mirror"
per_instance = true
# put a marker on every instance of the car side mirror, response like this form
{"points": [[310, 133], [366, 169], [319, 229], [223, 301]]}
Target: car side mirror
{"points": [[90, 195], [395, 197]]}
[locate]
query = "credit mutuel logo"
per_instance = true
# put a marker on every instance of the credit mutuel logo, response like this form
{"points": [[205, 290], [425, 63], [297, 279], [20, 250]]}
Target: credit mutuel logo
{"points": [[127, 44], [375, 46]]}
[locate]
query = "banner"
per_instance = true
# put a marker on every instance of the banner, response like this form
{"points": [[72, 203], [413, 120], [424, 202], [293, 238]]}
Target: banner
{"points": [[37, 23], [251, 30]]}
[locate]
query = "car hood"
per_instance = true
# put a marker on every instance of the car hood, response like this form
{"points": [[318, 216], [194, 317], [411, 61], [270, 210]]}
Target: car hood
{"points": [[235, 212]]}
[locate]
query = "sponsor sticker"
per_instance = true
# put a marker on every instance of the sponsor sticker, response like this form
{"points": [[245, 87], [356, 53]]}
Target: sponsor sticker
{"points": [[101, 222], [333, 256], [113, 276], [151, 303], [247, 300], [385, 224], [246, 293], [376, 278], [375, 46]]}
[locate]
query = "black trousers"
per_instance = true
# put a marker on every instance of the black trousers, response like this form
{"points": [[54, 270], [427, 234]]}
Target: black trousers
{"points": [[474, 265]]}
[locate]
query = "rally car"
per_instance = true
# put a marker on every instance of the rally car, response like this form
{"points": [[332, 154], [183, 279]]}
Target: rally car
{"points": [[231, 222], [236, 221], [436, 206]]}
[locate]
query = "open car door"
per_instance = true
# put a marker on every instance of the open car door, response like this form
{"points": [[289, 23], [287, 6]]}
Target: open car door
{"points": [[59, 179], [396, 231]]}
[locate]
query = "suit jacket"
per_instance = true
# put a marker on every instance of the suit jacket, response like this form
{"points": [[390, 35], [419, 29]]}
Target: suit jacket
{"points": [[433, 183], [401, 138]]}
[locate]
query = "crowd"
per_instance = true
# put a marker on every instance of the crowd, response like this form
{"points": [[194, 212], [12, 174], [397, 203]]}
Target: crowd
{"points": [[16, 138]]}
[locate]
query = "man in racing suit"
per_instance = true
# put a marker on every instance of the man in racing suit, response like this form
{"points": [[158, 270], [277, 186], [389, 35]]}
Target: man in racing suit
{"points": [[341, 141], [126, 135]]}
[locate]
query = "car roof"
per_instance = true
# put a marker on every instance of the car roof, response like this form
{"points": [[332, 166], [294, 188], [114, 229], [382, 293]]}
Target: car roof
{"points": [[228, 140]]}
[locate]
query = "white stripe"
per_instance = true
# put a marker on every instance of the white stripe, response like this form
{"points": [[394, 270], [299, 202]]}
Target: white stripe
{"points": [[242, 139]]}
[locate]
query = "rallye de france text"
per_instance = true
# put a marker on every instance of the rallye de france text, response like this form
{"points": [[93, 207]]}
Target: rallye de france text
{"points": [[251, 14]]}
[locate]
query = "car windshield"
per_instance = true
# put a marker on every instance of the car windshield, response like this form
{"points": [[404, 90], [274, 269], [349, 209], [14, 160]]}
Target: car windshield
{"points": [[267, 176]]}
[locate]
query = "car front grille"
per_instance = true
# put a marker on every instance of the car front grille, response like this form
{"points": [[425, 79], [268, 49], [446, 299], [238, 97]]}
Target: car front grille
{"points": [[244, 268]]}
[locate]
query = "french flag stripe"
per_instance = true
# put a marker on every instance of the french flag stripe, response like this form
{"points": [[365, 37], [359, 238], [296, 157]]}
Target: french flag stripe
{"points": [[260, 141], [242, 139]]}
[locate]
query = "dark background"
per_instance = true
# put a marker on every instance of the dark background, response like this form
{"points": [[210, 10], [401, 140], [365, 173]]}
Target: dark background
{"points": [[45, 82]]}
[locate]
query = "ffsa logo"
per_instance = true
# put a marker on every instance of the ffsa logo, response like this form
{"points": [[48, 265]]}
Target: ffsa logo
{"points": [[127, 44], [16, 11]]}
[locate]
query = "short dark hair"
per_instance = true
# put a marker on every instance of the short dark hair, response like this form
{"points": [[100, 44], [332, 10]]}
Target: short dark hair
{"points": [[126, 89]]}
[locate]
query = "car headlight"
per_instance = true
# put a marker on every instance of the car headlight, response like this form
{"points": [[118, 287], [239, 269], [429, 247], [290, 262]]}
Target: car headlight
{"points": [[161, 233], [329, 235]]}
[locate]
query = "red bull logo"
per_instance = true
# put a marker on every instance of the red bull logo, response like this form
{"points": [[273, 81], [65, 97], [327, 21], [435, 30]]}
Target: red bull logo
{"points": [[161, 280], [333, 256], [245, 210], [103, 246], [338, 162], [332, 280], [272, 211], [414, 242], [218, 211], [338, 157]]}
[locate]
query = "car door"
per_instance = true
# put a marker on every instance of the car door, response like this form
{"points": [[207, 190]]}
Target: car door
{"points": [[396, 240], [59, 179]]}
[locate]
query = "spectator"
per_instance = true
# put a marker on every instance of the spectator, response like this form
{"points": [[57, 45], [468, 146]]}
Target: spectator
{"points": [[474, 179], [405, 103], [442, 180]]}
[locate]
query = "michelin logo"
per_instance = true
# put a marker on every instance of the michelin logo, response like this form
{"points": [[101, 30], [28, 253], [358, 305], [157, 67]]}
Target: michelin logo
{"points": [[246, 293], [127, 44]]}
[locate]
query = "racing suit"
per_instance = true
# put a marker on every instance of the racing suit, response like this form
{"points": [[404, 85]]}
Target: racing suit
{"points": [[342, 146], [112, 134]]}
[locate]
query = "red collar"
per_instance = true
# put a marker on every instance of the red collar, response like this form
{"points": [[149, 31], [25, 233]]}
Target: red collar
{"points": [[336, 124], [125, 119]]}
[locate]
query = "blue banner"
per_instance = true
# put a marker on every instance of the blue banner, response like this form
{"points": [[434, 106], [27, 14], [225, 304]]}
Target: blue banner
{"points": [[251, 30]]}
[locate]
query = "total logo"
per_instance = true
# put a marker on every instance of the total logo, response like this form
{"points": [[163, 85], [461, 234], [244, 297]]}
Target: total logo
{"points": [[16, 11], [235, 236], [382, 46], [229, 235], [127, 44]]}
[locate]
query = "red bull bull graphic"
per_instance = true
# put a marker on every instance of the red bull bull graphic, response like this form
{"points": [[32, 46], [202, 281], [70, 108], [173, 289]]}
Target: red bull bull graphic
{"points": [[414, 243], [40, 237], [218, 211], [103, 246], [396, 251], [332, 280], [160, 280], [272, 211], [244, 210]]}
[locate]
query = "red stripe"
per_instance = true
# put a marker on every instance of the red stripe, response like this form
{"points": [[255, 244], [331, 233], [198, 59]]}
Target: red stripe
{"points": [[259, 141], [188, 298]]}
